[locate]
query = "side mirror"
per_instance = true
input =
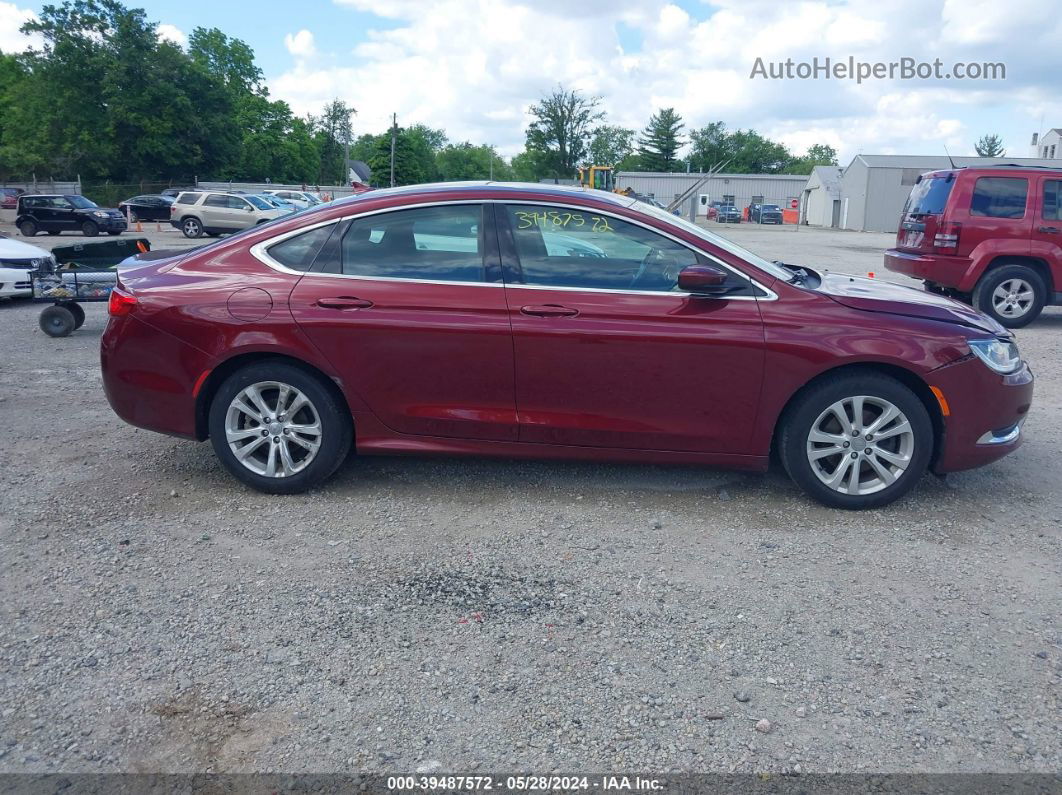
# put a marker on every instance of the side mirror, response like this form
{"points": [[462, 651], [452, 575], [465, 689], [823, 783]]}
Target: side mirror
{"points": [[702, 280]]}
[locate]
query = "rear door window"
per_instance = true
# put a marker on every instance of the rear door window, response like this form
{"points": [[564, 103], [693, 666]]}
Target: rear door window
{"points": [[217, 200], [428, 243], [1052, 196], [930, 196], [999, 197]]}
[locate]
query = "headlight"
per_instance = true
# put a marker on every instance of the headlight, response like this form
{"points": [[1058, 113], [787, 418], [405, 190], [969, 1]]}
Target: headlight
{"points": [[1000, 355], [100, 214]]}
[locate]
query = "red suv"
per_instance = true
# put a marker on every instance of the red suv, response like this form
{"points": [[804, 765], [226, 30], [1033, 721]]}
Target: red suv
{"points": [[538, 321], [991, 237]]}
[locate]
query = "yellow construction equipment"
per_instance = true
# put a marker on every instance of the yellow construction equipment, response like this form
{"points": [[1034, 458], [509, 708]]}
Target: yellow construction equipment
{"points": [[600, 177]]}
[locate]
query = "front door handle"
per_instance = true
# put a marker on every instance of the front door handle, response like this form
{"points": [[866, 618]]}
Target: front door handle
{"points": [[1049, 230], [344, 302], [549, 310]]}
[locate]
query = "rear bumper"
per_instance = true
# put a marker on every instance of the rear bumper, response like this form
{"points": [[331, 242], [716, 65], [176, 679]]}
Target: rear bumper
{"points": [[149, 376], [987, 413], [941, 269]]}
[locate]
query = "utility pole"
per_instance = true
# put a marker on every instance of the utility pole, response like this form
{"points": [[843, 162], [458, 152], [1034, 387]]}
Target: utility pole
{"points": [[394, 133]]}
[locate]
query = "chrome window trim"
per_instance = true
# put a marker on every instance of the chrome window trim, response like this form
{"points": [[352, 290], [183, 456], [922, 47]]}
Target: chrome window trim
{"points": [[259, 252]]}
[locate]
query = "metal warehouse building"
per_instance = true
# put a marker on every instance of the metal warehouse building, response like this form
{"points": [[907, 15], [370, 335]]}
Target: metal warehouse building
{"points": [[741, 189], [873, 188]]}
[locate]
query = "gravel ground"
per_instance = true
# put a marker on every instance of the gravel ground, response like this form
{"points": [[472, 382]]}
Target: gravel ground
{"points": [[457, 615]]}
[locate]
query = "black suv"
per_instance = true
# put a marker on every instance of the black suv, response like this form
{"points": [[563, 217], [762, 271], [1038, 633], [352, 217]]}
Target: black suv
{"points": [[765, 213], [66, 213]]}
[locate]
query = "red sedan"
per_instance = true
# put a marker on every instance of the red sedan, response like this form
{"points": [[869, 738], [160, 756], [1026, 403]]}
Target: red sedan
{"points": [[537, 321]]}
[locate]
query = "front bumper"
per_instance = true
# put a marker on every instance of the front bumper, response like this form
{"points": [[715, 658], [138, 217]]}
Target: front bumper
{"points": [[942, 269], [986, 413]]}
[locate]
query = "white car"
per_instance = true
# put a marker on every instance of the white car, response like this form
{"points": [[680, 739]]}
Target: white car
{"points": [[17, 259], [299, 198]]}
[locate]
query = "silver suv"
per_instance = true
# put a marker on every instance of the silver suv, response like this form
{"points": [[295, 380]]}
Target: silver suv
{"points": [[215, 213]]}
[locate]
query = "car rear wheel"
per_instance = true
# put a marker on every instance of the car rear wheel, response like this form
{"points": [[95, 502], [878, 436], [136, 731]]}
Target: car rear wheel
{"points": [[856, 440], [191, 227], [278, 428], [58, 321], [28, 229], [1012, 294], [89, 229]]}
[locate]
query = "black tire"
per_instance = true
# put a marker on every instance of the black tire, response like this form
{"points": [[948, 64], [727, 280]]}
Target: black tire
{"points": [[57, 321], [89, 229], [28, 228], [334, 417], [191, 227], [983, 295], [800, 419], [78, 312]]}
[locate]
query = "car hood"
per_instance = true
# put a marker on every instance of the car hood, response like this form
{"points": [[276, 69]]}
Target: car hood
{"points": [[871, 295], [16, 249]]}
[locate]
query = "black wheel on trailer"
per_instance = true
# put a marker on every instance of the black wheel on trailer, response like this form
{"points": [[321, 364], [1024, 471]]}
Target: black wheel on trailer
{"points": [[78, 312], [57, 321]]}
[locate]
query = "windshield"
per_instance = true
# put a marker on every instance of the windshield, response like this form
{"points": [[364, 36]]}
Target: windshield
{"points": [[770, 207], [261, 204], [720, 242], [81, 203]]}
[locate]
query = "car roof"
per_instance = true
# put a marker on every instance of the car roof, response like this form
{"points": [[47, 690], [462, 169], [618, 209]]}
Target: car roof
{"points": [[492, 189]]}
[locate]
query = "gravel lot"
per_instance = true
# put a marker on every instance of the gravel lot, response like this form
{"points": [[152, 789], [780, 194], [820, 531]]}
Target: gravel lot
{"points": [[456, 615]]}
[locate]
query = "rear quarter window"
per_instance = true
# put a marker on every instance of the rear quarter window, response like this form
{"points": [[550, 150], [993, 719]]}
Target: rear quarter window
{"points": [[187, 198], [300, 251], [999, 197]]}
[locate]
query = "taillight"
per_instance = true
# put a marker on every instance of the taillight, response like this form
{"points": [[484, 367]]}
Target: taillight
{"points": [[947, 236], [121, 302]]}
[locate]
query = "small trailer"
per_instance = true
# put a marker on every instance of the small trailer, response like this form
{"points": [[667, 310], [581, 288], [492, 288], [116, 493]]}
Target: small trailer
{"points": [[82, 273]]}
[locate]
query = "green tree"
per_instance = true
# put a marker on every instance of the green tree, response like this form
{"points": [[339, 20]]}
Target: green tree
{"points": [[411, 165], [530, 165], [817, 155], [710, 147], [333, 130], [466, 161], [611, 146], [990, 146], [560, 132], [660, 141]]}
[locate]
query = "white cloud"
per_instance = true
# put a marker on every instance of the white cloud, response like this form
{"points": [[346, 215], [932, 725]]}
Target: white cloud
{"points": [[300, 44], [473, 67], [172, 33], [11, 19]]}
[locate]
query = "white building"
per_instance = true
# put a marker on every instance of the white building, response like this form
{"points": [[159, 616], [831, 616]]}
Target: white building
{"points": [[820, 201], [1048, 147]]}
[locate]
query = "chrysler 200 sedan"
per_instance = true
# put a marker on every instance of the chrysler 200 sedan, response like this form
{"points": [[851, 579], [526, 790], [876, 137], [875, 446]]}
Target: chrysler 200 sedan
{"points": [[537, 321]]}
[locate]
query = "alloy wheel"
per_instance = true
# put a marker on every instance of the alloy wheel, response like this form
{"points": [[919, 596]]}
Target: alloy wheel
{"points": [[273, 429], [1013, 298], [860, 445]]}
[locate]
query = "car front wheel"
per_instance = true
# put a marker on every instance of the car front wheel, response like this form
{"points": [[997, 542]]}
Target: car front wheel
{"points": [[89, 229], [279, 428], [856, 440]]}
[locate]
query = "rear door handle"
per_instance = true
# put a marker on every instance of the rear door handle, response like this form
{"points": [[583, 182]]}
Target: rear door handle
{"points": [[344, 302], [1049, 230], [549, 310]]}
